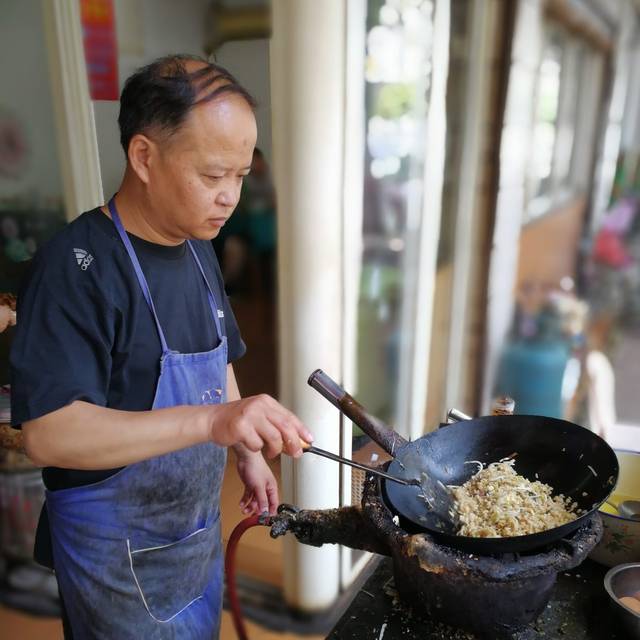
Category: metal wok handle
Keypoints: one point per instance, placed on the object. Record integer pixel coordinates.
(377, 430)
(501, 406)
(455, 415)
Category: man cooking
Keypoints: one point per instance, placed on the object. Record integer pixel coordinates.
(122, 377)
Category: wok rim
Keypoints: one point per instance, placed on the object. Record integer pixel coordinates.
(512, 544)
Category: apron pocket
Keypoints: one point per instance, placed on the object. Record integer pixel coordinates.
(171, 577)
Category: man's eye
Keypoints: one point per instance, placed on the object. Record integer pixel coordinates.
(214, 177)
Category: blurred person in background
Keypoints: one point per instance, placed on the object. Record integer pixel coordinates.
(246, 247)
(259, 201)
(122, 376)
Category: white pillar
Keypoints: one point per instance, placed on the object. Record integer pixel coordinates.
(75, 124)
(515, 147)
(307, 103)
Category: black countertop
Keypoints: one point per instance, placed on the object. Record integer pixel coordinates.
(578, 610)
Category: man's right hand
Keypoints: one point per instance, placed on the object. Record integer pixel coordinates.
(259, 423)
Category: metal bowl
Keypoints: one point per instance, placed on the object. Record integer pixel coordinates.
(624, 580)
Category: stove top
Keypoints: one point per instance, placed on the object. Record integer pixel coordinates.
(578, 610)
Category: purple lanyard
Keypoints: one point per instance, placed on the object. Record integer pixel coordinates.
(143, 281)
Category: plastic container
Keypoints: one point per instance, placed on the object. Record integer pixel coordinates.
(531, 372)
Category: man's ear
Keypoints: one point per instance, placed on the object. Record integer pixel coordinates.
(141, 154)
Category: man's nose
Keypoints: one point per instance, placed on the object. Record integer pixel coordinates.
(227, 198)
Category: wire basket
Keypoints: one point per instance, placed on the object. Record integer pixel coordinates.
(357, 485)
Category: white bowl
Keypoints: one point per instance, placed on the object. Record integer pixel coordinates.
(620, 542)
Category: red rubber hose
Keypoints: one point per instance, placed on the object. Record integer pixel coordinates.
(230, 570)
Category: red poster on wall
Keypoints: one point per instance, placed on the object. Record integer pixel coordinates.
(100, 48)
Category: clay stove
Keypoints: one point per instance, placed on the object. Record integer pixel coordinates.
(491, 596)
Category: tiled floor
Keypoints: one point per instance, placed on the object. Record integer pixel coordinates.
(16, 626)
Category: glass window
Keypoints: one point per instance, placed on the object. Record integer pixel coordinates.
(552, 174)
(397, 85)
(545, 127)
(31, 192)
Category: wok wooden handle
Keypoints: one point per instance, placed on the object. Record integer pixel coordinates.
(377, 430)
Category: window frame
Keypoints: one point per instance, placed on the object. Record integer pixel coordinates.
(578, 56)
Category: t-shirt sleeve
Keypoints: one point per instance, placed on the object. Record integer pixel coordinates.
(62, 346)
(237, 347)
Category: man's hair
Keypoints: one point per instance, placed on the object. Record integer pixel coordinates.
(159, 96)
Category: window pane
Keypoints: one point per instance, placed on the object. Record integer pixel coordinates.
(546, 119)
(31, 193)
(397, 83)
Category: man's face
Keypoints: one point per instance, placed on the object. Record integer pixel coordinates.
(196, 175)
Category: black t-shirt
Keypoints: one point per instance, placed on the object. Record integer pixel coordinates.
(86, 333)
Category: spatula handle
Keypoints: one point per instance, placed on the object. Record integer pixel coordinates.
(307, 448)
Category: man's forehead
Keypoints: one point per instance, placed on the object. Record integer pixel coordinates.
(207, 137)
(194, 65)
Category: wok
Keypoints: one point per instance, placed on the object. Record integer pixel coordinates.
(568, 457)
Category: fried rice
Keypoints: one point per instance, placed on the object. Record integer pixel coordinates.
(497, 503)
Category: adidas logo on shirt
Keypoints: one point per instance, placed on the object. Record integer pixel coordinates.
(84, 258)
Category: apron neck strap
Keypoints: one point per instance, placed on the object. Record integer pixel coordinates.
(137, 268)
(210, 296)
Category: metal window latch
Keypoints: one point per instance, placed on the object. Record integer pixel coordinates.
(455, 415)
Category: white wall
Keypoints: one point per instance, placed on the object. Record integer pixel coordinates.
(148, 29)
(248, 60)
(26, 96)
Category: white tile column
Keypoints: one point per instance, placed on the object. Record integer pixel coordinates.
(307, 101)
(77, 142)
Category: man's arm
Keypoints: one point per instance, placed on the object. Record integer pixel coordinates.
(233, 393)
(85, 436)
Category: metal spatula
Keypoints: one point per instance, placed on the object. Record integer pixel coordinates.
(307, 448)
(416, 471)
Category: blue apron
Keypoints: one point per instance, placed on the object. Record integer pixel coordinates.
(139, 554)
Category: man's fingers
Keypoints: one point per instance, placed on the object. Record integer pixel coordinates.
(252, 440)
(251, 506)
(289, 436)
(292, 430)
(284, 416)
(265, 424)
(272, 438)
(294, 423)
(246, 500)
(262, 500)
(273, 497)
(246, 497)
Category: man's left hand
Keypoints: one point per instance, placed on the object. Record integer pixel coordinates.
(261, 487)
